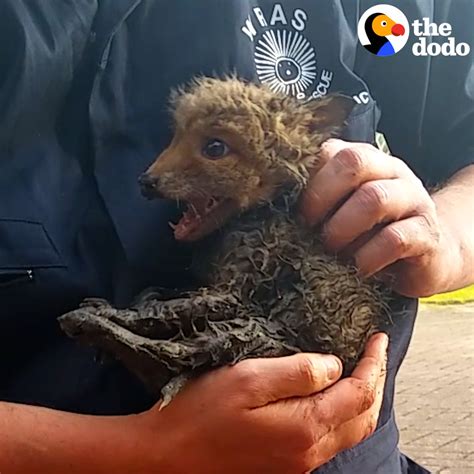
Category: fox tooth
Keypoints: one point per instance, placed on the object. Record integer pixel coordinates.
(172, 225)
(193, 210)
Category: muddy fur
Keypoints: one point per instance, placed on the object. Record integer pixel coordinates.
(267, 286)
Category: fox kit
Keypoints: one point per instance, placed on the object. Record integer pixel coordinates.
(240, 156)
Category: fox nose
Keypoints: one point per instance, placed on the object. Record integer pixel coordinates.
(149, 186)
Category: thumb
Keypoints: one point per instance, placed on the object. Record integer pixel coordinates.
(298, 375)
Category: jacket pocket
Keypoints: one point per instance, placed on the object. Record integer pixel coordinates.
(13, 277)
(25, 247)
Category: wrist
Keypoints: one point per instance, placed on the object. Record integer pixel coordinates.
(448, 261)
(170, 433)
(142, 440)
(156, 440)
(449, 255)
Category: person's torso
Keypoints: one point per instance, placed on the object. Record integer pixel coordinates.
(72, 221)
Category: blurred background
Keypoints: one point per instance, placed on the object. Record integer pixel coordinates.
(435, 392)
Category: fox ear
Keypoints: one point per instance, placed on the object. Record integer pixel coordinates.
(329, 114)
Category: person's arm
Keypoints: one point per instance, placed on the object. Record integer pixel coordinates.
(275, 415)
(373, 207)
(455, 206)
(38, 440)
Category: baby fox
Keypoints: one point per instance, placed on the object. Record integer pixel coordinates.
(236, 146)
(240, 157)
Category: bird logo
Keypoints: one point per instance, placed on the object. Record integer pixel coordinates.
(383, 30)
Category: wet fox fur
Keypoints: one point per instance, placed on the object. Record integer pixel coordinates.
(240, 157)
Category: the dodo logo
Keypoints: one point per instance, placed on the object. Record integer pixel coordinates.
(383, 30)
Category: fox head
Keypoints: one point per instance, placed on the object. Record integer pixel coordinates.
(235, 146)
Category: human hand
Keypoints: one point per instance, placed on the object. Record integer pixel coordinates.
(375, 209)
(281, 415)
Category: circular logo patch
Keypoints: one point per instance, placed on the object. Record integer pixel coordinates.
(285, 61)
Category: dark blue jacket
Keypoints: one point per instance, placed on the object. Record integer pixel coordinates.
(83, 88)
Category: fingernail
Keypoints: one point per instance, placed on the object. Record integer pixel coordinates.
(331, 141)
(325, 150)
(333, 367)
(385, 342)
(330, 144)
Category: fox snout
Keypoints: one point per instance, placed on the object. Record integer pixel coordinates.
(150, 186)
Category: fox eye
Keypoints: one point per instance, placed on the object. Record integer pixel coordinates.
(215, 149)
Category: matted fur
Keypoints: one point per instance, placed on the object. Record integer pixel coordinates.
(277, 128)
(267, 286)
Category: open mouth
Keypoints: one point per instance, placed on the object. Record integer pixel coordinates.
(201, 217)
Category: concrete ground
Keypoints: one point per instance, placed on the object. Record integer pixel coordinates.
(435, 391)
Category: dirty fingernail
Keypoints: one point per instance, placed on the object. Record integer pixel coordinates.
(334, 367)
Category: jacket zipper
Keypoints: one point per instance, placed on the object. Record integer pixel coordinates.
(14, 277)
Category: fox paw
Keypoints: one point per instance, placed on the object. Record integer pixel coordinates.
(172, 388)
(98, 303)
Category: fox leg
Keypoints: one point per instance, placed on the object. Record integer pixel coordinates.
(226, 343)
(160, 319)
(153, 361)
(154, 340)
(156, 293)
(207, 343)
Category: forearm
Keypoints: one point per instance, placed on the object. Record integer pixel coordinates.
(455, 206)
(39, 440)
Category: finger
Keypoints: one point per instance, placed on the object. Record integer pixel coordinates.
(323, 413)
(352, 396)
(413, 283)
(354, 406)
(373, 203)
(349, 165)
(373, 359)
(357, 430)
(411, 237)
(264, 381)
